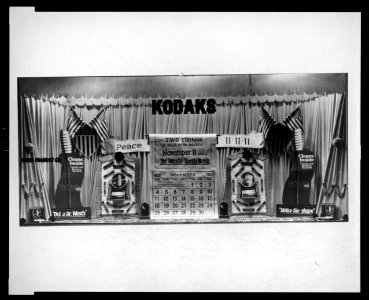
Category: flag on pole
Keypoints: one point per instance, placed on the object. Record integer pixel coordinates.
(86, 144)
(266, 122)
(294, 120)
(99, 124)
(74, 123)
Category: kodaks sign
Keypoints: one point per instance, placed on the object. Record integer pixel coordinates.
(179, 106)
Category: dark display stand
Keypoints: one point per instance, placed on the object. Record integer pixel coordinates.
(298, 186)
(69, 187)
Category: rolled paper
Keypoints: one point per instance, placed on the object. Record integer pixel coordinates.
(110, 204)
(262, 185)
(109, 174)
(235, 204)
(129, 165)
(236, 164)
(241, 202)
(239, 172)
(129, 208)
(106, 208)
(258, 164)
(126, 173)
(108, 165)
(125, 204)
(256, 172)
(261, 205)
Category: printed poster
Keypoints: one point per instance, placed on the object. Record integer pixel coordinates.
(183, 176)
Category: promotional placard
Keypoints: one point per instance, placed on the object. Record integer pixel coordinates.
(247, 183)
(71, 213)
(182, 151)
(120, 185)
(284, 210)
(183, 176)
(68, 191)
(129, 146)
(252, 140)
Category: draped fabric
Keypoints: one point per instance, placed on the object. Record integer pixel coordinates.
(40, 123)
(128, 119)
(185, 86)
(334, 186)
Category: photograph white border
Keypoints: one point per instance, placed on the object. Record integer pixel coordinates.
(266, 257)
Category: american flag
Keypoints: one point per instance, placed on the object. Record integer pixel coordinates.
(266, 122)
(74, 123)
(86, 144)
(99, 124)
(294, 120)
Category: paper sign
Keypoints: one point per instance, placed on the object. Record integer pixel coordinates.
(183, 176)
(71, 213)
(182, 151)
(284, 210)
(252, 140)
(129, 146)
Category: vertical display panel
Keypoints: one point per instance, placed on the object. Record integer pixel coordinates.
(183, 176)
(119, 186)
(247, 184)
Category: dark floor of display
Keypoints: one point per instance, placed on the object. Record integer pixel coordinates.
(232, 219)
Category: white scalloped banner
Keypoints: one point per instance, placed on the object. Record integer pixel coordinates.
(104, 101)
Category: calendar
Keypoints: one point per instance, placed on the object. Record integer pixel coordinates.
(183, 176)
(183, 194)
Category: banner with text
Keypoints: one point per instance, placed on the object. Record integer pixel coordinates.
(252, 140)
(183, 151)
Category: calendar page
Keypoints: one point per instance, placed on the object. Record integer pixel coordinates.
(183, 194)
(183, 176)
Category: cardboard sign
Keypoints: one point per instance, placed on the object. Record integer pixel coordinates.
(69, 187)
(129, 146)
(71, 213)
(252, 140)
(119, 186)
(284, 210)
(183, 176)
(246, 184)
(183, 151)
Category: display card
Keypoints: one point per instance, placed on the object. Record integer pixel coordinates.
(183, 176)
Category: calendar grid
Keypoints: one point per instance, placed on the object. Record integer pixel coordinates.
(183, 194)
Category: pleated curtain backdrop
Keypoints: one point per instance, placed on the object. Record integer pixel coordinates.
(134, 120)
